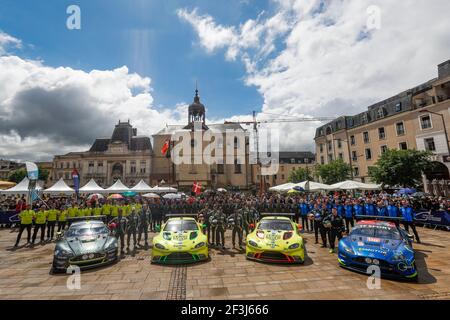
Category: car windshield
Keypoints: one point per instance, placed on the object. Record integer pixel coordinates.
(377, 232)
(86, 231)
(181, 225)
(276, 225)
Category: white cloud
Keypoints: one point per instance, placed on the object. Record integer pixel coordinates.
(320, 68)
(46, 111)
(7, 41)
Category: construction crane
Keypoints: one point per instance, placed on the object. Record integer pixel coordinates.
(255, 124)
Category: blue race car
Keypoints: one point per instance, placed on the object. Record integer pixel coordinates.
(379, 243)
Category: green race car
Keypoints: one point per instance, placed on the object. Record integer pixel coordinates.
(180, 240)
(276, 239)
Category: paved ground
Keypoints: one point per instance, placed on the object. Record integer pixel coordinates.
(24, 274)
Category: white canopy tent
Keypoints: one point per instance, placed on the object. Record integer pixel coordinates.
(312, 186)
(117, 187)
(141, 187)
(163, 189)
(60, 187)
(355, 185)
(91, 187)
(283, 187)
(172, 196)
(21, 188)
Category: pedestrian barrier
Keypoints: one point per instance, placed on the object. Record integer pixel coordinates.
(8, 217)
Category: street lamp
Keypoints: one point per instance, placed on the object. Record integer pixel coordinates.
(443, 122)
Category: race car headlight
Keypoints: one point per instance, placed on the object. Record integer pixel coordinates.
(160, 246)
(193, 235)
(253, 243)
(287, 235)
(398, 256)
(260, 234)
(347, 249)
(61, 252)
(166, 236)
(199, 245)
(294, 246)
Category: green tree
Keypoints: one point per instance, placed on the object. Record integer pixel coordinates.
(300, 174)
(401, 167)
(333, 172)
(18, 175)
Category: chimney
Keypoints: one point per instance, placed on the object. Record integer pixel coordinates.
(444, 69)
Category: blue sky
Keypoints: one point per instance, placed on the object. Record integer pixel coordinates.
(139, 60)
(146, 36)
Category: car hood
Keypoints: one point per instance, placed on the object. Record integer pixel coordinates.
(180, 240)
(86, 244)
(373, 247)
(273, 239)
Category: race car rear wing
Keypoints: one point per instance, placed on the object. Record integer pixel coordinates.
(379, 218)
(87, 218)
(289, 215)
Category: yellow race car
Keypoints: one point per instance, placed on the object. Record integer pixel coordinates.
(276, 239)
(180, 240)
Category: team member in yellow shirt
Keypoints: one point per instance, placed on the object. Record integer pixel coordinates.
(97, 210)
(62, 218)
(114, 211)
(40, 219)
(106, 211)
(26, 220)
(52, 216)
(72, 212)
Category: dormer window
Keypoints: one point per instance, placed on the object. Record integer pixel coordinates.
(380, 113)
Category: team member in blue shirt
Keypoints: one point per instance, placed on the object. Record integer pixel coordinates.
(369, 208)
(408, 218)
(393, 212)
(381, 209)
(304, 210)
(358, 209)
(348, 215)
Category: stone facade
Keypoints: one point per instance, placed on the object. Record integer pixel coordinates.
(124, 156)
(418, 118)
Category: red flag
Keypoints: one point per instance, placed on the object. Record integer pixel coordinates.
(196, 188)
(165, 147)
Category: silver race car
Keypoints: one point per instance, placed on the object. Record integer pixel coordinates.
(86, 244)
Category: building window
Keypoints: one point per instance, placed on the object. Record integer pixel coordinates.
(381, 133)
(236, 142)
(293, 161)
(425, 122)
(384, 149)
(364, 117)
(91, 167)
(282, 177)
(356, 171)
(366, 137)
(429, 144)
(400, 127)
(354, 156)
(330, 145)
(398, 107)
(133, 166)
(341, 156)
(237, 167)
(100, 167)
(380, 113)
(275, 177)
(321, 147)
(306, 160)
(368, 154)
(330, 158)
(322, 160)
(403, 146)
(339, 142)
(61, 165)
(352, 140)
(143, 166)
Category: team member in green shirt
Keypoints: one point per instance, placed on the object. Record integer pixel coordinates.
(62, 218)
(52, 216)
(40, 219)
(26, 220)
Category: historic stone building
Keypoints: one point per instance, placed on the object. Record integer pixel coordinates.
(235, 175)
(418, 118)
(124, 155)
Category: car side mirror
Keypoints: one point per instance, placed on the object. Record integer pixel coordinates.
(410, 237)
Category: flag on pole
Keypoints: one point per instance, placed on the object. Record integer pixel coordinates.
(32, 170)
(76, 180)
(165, 147)
(197, 188)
